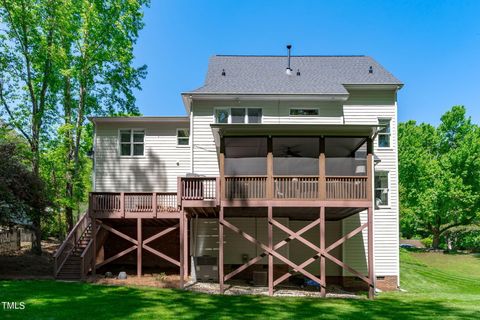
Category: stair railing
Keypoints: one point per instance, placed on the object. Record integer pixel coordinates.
(62, 253)
(87, 255)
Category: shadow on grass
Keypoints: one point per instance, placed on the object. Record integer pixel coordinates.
(61, 300)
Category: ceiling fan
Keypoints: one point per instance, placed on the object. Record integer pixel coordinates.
(290, 152)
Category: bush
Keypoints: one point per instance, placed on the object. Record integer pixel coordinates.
(427, 242)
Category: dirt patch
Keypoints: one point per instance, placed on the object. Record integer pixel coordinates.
(149, 280)
(23, 264)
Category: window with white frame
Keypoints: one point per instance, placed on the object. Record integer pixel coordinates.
(384, 133)
(238, 115)
(381, 188)
(132, 142)
(304, 112)
(183, 137)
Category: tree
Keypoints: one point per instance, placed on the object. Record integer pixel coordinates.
(21, 191)
(28, 53)
(439, 170)
(98, 78)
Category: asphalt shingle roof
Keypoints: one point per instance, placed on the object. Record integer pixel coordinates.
(266, 74)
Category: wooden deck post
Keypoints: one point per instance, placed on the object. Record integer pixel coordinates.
(185, 245)
(182, 257)
(139, 247)
(221, 163)
(369, 169)
(220, 251)
(122, 204)
(323, 284)
(371, 267)
(270, 245)
(370, 198)
(270, 191)
(154, 205)
(322, 182)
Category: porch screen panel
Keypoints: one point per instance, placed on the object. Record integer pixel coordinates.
(295, 156)
(245, 156)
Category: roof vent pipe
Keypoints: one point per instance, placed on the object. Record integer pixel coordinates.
(288, 71)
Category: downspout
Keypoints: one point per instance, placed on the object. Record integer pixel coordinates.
(94, 157)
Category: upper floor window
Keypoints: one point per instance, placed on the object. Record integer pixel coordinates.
(384, 133)
(183, 136)
(381, 188)
(238, 115)
(132, 142)
(304, 112)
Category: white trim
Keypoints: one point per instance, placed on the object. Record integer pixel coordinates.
(189, 138)
(397, 195)
(94, 177)
(303, 115)
(119, 143)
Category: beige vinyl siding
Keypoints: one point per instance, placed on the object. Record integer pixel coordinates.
(157, 170)
(365, 107)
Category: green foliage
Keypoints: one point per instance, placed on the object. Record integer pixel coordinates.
(61, 61)
(439, 172)
(427, 242)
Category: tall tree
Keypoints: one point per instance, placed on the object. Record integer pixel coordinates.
(439, 170)
(98, 77)
(28, 51)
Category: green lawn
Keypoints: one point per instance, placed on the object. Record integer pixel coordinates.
(436, 289)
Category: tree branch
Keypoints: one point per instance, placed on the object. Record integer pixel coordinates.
(10, 113)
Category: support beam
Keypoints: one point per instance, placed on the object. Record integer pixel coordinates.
(322, 181)
(161, 234)
(118, 255)
(269, 168)
(270, 246)
(182, 275)
(323, 270)
(162, 255)
(371, 271)
(220, 251)
(120, 234)
(185, 246)
(221, 165)
(139, 247)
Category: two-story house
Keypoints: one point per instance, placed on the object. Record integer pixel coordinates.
(284, 168)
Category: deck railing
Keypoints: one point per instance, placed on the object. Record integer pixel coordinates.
(346, 188)
(120, 203)
(199, 188)
(288, 187)
(245, 187)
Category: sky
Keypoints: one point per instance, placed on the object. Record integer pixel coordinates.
(433, 47)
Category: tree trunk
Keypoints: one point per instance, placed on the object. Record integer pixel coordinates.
(436, 240)
(37, 242)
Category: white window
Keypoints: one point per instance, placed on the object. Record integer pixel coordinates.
(238, 115)
(384, 133)
(132, 142)
(222, 115)
(304, 112)
(183, 137)
(381, 188)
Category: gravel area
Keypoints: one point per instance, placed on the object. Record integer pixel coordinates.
(239, 288)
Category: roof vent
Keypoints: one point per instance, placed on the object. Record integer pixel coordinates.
(288, 71)
(223, 72)
(370, 70)
(298, 72)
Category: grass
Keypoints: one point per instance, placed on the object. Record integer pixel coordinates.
(435, 289)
